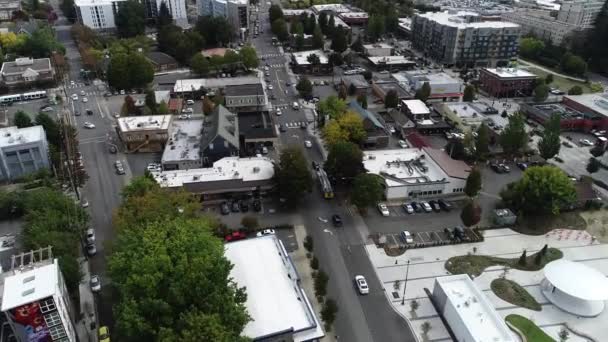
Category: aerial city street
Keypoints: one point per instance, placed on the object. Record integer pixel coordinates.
(361, 171)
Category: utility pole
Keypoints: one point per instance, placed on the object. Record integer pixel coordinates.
(407, 271)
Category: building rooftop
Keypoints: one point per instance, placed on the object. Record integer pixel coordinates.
(11, 136)
(335, 8)
(244, 90)
(80, 3)
(387, 86)
(510, 72)
(256, 125)
(365, 114)
(377, 46)
(458, 19)
(597, 102)
(295, 12)
(30, 284)
(221, 122)
(184, 140)
(275, 300)
(214, 52)
(354, 15)
(162, 95)
(588, 284)
(212, 83)
(474, 309)
(225, 169)
(390, 60)
(301, 57)
(356, 80)
(160, 58)
(20, 65)
(416, 107)
(142, 123)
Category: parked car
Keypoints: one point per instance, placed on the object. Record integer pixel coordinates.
(567, 144)
(74, 97)
(407, 236)
(449, 233)
(402, 144)
(90, 235)
(91, 249)
(459, 233)
(265, 232)
(235, 207)
(89, 112)
(361, 284)
(383, 209)
(417, 207)
(505, 168)
(89, 125)
(308, 143)
(234, 236)
(336, 220)
(85, 100)
(95, 283)
(224, 208)
(585, 142)
(447, 206)
(408, 208)
(435, 206)
(282, 128)
(426, 206)
(522, 166)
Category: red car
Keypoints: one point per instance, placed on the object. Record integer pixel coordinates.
(234, 236)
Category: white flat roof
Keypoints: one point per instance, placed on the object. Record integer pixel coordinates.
(393, 163)
(229, 168)
(474, 309)
(510, 72)
(439, 77)
(184, 140)
(577, 279)
(336, 8)
(301, 57)
(597, 101)
(141, 123)
(80, 3)
(455, 20)
(212, 83)
(390, 60)
(377, 46)
(11, 136)
(275, 300)
(416, 107)
(30, 285)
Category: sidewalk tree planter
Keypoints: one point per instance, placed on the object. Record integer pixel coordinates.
(530, 330)
(513, 293)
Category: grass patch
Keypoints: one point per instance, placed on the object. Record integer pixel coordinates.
(540, 225)
(513, 293)
(473, 265)
(532, 332)
(563, 84)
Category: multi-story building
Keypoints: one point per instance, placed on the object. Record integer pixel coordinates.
(144, 133)
(97, 14)
(507, 82)
(35, 300)
(443, 86)
(22, 151)
(236, 11)
(580, 13)
(245, 97)
(24, 71)
(177, 8)
(541, 24)
(464, 38)
(7, 7)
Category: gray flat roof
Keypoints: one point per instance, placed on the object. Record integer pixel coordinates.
(244, 89)
(41, 64)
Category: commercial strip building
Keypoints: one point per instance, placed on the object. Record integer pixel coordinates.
(381, 88)
(256, 129)
(468, 116)
(391, 62)
(22, 151)
(467, 310)
(26, 71)
(578, 112)
(507, 82)
(443, 86)
(211, 84)
(377, 50)
(230, 176)
(301, 64)
(161, 61)
(279, 307)
(183, 149)
(235, 11)
(245, 97)
(35, 301)
(417, 173)
(464, 38)
(144, 133)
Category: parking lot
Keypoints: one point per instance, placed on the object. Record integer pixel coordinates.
(430, 238)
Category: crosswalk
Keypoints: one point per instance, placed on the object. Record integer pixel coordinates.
(277, 65)
(75, 85)
(293, 124)
(270, 55)
(280, 106)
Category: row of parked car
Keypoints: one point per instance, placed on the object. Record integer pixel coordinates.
(418, 207)
(240, 206)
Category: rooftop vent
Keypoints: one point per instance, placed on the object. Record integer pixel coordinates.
(28, 292)
(29, 279)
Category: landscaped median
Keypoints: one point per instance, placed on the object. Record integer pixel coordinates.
(473, 265)
(531, 331)
(513, 293)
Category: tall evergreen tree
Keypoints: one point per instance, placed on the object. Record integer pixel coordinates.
(549, 145)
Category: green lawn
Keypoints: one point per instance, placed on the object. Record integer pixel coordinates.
(563, 84)
(532, 332)
(474, 265)
(514, 293)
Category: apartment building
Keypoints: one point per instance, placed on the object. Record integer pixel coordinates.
(465, 38)
(541, 24)
(97, 14)
(177, 8)
(580, 13)
(235, 11)
(22, 151)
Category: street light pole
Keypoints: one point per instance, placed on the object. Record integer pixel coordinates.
(407, 271)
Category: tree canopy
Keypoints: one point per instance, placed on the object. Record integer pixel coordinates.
(391, 100)
(575, 90)
(215, 30)
(541, 92)
(424, 92)
(541, 190)
(367, 190)
(129, 71)
(514, 137)
(347, 127)
(549, 145)
(482, 142)
(249, 57)
(292, 176)
(344, 161)
(596, 47)
(473, 184)
(304, 87)
(332, 106)
(275, 12)
(279, 28)
(339, 41)
(469, 93)
(22, 119)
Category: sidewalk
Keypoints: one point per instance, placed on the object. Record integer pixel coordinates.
(86, 327)
(302, 264)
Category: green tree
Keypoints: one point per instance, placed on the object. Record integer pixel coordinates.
(549, 145)
(317, 38)
(523, 259)
(331, 25)
(329, 312)
(163, 108)
(424, 92)
(514, 137)
(215, 30)
(304, 87)
(473, 184)
(129, 71)
(118, 72)
(375, 26)
(208, 106)
(367, 191)
(41, 43)
(164, 15)
(541, 190)
(573, 64)
(575, 90)
(344, 161)
(471, 213)
(313, 59)
(541, 92)
(482, 142)
(199, 64)
(391, 100)
(549, 79)
(275, 12)
(249, 57)
(593, 166)
(357, 45)
(279, 28)
(292, 176)
(338, 40)
(51, 128)
(131, 19)
(323, 21)
(531, 47)
(150, 100)
(332, 106)
(22, 119)
(469, 93)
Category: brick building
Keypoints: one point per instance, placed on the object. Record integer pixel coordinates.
(507, 82)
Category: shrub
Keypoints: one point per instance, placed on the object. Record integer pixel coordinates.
(314, 263)
(308, 244)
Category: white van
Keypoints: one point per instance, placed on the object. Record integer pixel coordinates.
(296, 106)
(190, 102)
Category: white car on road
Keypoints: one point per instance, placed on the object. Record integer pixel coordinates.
(95, 283)
(265, 232)
(89, 125)
(308, 143)
(279, 113)
(85, 100)
(383, 209)
(270, 87)
(361, 284)
(585, 142)
(74, 97)
(402, 144)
